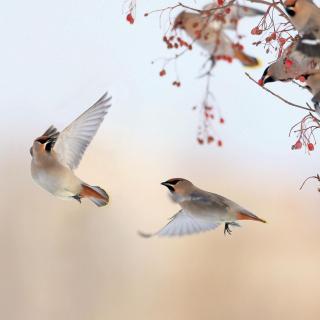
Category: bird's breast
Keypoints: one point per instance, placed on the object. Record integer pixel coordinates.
(56, 179)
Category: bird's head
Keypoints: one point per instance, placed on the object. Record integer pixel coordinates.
(179, 21)
(291, 7)
(267, 76)
(38, 145)
(178, 186)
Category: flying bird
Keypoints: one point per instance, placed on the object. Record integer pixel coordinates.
(200, 211)
(56, 154)
(212, 37)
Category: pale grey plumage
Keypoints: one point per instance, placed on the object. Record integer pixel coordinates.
(201, 211)
(55, 155)
(305, 17)
(74, 139)
(291, 65)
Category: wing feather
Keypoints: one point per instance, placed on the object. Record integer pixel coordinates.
(182, 224)
(74, 139)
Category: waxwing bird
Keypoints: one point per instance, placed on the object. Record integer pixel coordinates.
(200, 211)
(220, 19)
(211, 38)
(304, 15)
(55, 155)
(291, 65)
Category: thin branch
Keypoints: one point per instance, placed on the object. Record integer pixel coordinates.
(308, 108)
(317, 177)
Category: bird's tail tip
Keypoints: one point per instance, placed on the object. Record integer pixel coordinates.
(249, 216)
(256, 63)
(96, 194)
(247, 60)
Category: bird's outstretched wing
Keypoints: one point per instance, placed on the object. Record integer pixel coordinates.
(236, 13)
(182, 224)
(74, 139)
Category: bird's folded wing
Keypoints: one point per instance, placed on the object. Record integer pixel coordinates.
(74, 139)
(309, 45)
(182, 224)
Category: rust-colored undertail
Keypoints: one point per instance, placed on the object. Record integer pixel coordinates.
(96, 194)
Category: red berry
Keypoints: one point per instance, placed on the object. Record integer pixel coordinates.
(297, 145)
(210, 139)
(310, 146)
(282, 41)
(130, 18)
(260, 82)
(200, 141)
(220, 2)
(162, 73)
(227, 10)
(288, 63)
(219, 143)
(221, 120)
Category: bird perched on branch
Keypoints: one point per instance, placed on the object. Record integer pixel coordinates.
(210, 35)
(200, 211)
(55, 155)
(291, 65)
(305, 17)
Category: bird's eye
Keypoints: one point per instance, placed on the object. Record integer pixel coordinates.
(170, 188)
(269, 79)
(42, 140)
(174, 181)
(290, 11)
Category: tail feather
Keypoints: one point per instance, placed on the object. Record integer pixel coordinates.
(246, 215)
(96, 194)
(245, 59)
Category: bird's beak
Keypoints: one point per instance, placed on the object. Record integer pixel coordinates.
(168, 185)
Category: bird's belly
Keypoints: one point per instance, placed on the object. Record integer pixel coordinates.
(211, 216)
(60, 185)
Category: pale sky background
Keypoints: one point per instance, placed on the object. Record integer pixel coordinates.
(60, 260)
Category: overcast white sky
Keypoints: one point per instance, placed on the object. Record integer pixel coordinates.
(58, 57)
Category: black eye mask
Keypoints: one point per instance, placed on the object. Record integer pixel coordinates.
(290, 11)
(174, 181)
(170, 188)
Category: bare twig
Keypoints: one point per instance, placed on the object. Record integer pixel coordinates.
(308, 108)
(317, 177)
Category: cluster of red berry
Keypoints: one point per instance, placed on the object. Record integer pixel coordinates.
(176, 42)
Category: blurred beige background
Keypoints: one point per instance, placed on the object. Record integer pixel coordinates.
(61, 260)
